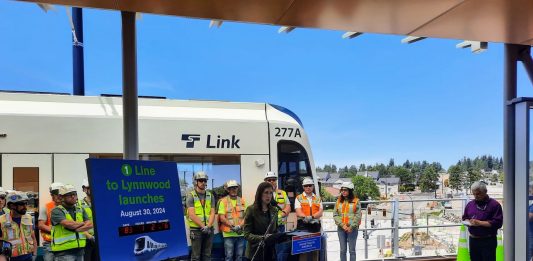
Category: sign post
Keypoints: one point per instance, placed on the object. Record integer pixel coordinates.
(138, 214)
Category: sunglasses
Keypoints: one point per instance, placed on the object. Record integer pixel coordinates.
(201, 180)
(70, 195)
(306, 186)
(19, 204)
(2, 197)
(233, 187)
(271, 180)
(344, 190)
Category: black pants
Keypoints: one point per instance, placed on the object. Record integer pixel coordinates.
(483, 249)
(91, 254)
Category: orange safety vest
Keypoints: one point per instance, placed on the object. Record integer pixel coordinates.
(347, 210)
(49, 206)
(234, 215)
(309, 210)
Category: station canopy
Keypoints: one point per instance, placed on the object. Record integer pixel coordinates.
(505, 21)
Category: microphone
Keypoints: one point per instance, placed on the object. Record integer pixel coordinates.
(275, 204)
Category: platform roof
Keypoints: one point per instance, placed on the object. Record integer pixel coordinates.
(506, 21)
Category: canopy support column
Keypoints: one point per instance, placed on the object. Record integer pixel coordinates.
(129, 87)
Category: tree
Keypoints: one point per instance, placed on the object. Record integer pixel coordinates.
(494, 178)
(406, 177)
(362, 167)
(325, 196)
(456, 177)
(473, 175)
(428, 179)
(391, 163)
(365, 188)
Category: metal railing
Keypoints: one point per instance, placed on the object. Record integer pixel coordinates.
(395, 227)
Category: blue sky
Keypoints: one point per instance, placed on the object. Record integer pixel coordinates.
(364, 100)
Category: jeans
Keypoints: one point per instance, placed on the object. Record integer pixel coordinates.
(201, 245)
(347, 238)
(282, 248)
(234, 248)
(48, 254)
(69, 258)
(483, 249)
(22, 258)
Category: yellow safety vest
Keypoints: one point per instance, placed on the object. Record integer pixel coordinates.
(65, 239)
(83, 205)
(280, 199)
(202, 212)
(18, 235)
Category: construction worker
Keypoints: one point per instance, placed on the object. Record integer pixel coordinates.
(308, 207)
(90, 246)
(200, 205)
(231, 214)
(17, 228)
(3, 206)
(69, 221)
(45, 222)
(347, 216)
(281, 198)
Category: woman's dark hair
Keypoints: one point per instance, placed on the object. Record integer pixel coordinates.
(350, 196)
(259, 193)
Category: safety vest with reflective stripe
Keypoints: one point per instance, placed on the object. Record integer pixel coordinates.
(49, 206)
(65, 239)
(85, 206)
(306, 208)
(234, 215)
(18, 235)
(281, 195)
(201, 211)
(347, 211)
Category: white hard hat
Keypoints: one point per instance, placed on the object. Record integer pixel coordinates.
(55, 186)
(67, 188)
(2, 192)
(231, 183)
(85, 183)
(308, 181)
(200, 175)
(271, 174)
(16, 196)
(347, 184)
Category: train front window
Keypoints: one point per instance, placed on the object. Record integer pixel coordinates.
(293, 167)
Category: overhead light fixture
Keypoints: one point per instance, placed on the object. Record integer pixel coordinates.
(412, 39)
(475, 47)
(285, 29)
(350, 35)
(215, 23)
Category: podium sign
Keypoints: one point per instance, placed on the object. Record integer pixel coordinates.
(306, 242)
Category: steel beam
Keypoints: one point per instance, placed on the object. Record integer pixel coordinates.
(527, 61)
(129, 87)
(78, 73)
(509, 93)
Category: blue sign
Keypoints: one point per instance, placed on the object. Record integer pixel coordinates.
(137, 207)
(306, 243)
